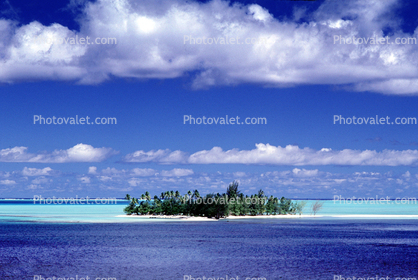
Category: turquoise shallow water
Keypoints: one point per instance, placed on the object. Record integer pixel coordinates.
(382, 208)
(26, 210)
(90, 240)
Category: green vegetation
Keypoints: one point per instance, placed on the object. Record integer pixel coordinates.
(233, 202)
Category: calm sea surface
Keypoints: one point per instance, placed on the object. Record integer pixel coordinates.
(80, 241)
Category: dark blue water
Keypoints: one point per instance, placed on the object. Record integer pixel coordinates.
(294, 249)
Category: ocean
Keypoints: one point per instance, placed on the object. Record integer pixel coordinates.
(21, 210)
(79, 241)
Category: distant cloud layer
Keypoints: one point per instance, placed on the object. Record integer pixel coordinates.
(150, 44)
(292, 182)
(290, 155)
(78, 153)
(263, 154)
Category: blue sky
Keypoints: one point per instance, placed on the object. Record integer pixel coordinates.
(150, 79)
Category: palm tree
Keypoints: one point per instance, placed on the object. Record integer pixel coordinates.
(187, 196)
(147, 196)
(196, 194)
(128, 197)
(232, 190)
(134, 200)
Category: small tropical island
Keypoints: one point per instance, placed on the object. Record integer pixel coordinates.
(215, 206)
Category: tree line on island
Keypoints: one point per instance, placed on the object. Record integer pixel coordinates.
(233, 202)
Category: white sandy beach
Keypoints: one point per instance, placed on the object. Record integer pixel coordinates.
(158, 217)
(186, 218)
(359, 216)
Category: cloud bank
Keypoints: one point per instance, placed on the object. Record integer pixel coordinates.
(263, 154)
(78, 153)
(292, 182)
(266, 154)
(150, 44)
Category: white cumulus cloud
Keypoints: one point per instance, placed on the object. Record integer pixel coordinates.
(78, 153)
(266, 154)
(143, 172)
(85, 180)
(177, 172)
(92, 170)
(153, 41)
(7, 182)
(161, 156)
(37, 171)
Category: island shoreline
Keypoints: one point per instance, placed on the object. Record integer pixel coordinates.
(190, 218)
